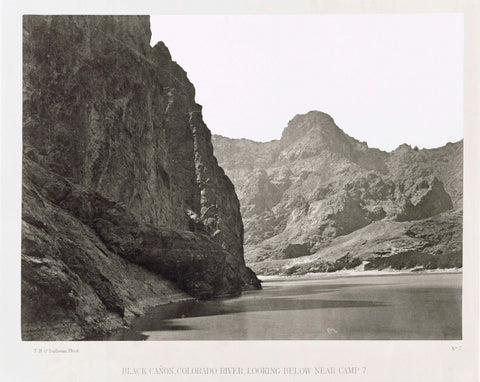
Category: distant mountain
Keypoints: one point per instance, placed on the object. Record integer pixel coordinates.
(302, 195)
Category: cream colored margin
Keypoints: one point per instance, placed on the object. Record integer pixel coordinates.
(384, 360)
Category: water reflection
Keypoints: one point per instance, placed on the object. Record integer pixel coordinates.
(374, 308)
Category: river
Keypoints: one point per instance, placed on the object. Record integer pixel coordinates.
(381, 307)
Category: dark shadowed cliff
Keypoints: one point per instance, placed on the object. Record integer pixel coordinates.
(302, 195)
(124, 204)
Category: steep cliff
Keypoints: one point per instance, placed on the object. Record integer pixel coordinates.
(316, 184)
(124, 204)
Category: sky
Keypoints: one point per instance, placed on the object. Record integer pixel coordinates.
(385, 79)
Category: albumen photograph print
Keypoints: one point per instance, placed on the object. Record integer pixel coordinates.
(242, 177)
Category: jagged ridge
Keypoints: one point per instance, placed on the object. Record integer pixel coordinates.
(317, 183)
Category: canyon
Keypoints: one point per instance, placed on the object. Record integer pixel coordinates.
(124, 206)
(129, 202)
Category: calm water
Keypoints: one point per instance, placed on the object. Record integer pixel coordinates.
(407, 307)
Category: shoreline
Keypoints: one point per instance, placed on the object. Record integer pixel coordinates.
(350, 273)
(273, 278)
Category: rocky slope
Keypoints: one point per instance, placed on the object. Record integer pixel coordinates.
(301, 194)
(124, 204)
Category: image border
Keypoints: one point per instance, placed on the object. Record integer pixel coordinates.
(104, 361)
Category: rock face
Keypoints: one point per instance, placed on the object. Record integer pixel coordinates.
(426, 244)
(299, 194)
(124, 204)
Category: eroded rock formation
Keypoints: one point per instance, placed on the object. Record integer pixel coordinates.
(300, 194)
(124, 204)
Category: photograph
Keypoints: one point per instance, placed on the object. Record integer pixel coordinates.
(208, 193)
(134, 214)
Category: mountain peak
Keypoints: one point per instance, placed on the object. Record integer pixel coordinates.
(403, 147)
(312, 114)
(309, 124)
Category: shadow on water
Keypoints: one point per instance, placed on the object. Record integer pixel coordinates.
(159, 318)
(418, 308)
